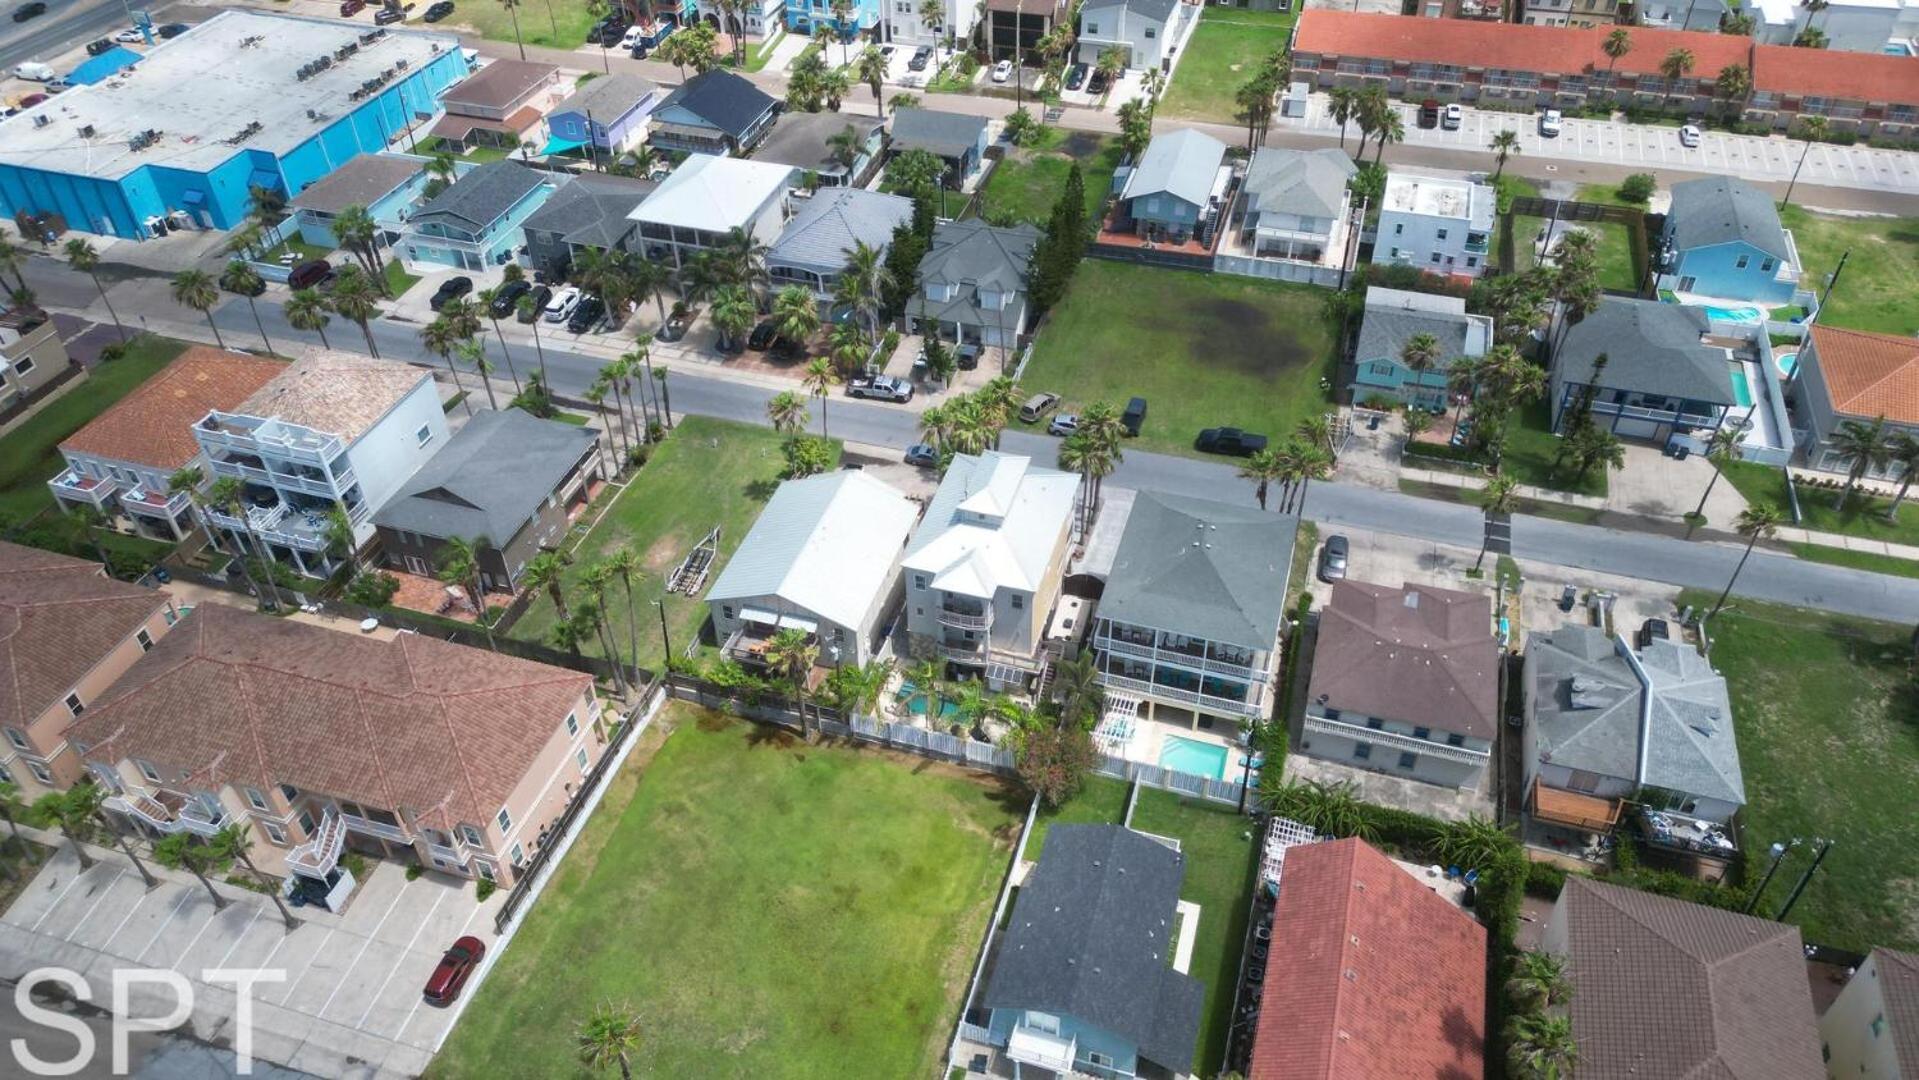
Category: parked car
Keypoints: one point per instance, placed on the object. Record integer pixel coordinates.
(450, 289)
(507, 298)
(1076, 77)
(1549, 123)
(1096, 83)
(34, 71)
(586, 315)
(130, 36)
(966, 356)
(1063, 425)
(350, 8)
(1229, 440)
(608, 31)
(1452, 117)
(172, 30)
(1429, 113)
(438, 11)
(59, 85)
(763, 335)
(1332, 558)
(1689, 135)
(560, 307)
(1134, 416)
(387, 16)
(541, 296)
(922, 454)
(880, 388)
(260, 287)
(29, 11)
(1002, 71)
(1037, 406)
(31, 100)
(310, 274)
(632, 37)
(95, 48)
(455, 967)
(921, 57)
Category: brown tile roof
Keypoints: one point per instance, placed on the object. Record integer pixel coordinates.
(1418, 654)
(1868, 374)
(440, 730)
(334, 392)
(360, 182)
(1666, 988)
(1372, 974)
(456, 127)
(58, 618)
(1899, 990)
(153, 425)
(499, 84)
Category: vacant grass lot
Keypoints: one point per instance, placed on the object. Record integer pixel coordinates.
(1220, 56)
(1882, 271)
(561, 24)
(1531, 448)
(1613, 249)
(707, 473)
(767, 908)
(1864, 516)
(1827, 718)
(1205, 350)
(1025, 186)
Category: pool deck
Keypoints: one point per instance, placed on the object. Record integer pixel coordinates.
(1149, 741)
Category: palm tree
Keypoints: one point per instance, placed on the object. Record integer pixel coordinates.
(928, 677)
(1391, 129)
(1677, 65)
(12, 808)
(1317, 430)
(240, 277)
(796, 314)
(663, 396)
(459, 564)
(227, 493)
(1865, 446)
(82, 257)
(1504, 145)
(1812, 129)
(790, 655)
(13, 259)
(872, 71)
(1419, 354)
(1255, 101)
(84, 800)
(74, 818)
(787, 411)
(355, 228)
(626, 564)
(194, 289)
(531, 315)
(1111, 63)
(1732, 86)
(1756, 523)
(595, 580)
(733, 312)
(1093, 460)
(1342, 104)
(1262, 469)
(351, 297)
(820, 379)
(441, 337)
(306, 309)
(609, 1037)
(1617, 44)
(547, 570)
(182, 849)
(1905, 454)
(474, 352)
(1538, 980)
(513, 11)
(235, 841)
(1541, 1046)
(1721, 445)
(483, 301)
(866, 280)
(1498, 500)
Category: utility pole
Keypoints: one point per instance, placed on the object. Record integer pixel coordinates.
(1818, 857)
(1778, 852)
(1833, 278)
(665, 639)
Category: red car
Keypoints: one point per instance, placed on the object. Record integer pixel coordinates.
(443, 987)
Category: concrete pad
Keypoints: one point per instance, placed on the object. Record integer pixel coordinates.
(295, 957)
(406, 1061)
(220, 935)
(356, 992)
(58, 909)
(386, 1013)
(413, 908)
(340, 1051)
(325, 970)
(171, 941)
(101, 916)
(374, 899)
(259, 944)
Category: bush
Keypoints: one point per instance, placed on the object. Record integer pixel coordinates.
(1545, 879)
(1638, 187)
(373, 590)
(806, 455)
(484, 888)
(413, 872)
(114, 351)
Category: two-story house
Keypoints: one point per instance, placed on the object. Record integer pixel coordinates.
(70, 631)
(33, 359)
(1405, 681)
(588, 212)
(1014, 27)
(1395, 317)
(714, 112)
(1854, 376)
(320, 741)
(475, 223)
(121, 463)
(705, 199)
(607, 115)
(815, 246)
(983, 569)
(386, 186)
(1177, 190)
(753, 19)
(958, 139)
(913, 22)
(331, 431)
(843, 23)
(973, 283)
(1440, 224)
(1146, 31)
(829, 148)
(499, 105)
(1872, 1029)
(1723, 240)
(1294, 204)
(1659, 377)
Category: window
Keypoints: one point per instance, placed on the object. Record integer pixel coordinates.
(289, 793)
(1362, 751)
(1435, 256)
(1742, 262)
(256, 799)
(1150, 33)
(485, 869)
(470, 836)
(1408, 759)
(275, 834)
(424, 435)
(39, 772)
(505, 820)
(1766, 265)
(1375, 723)
(572, 724)
(5, 776)
(1422, 733)
(307, 824)
(919, 581)
(148, 771)
(24, 367)
(1472, 260)
(18, 740)
(1092, 28)
(726, 611)
(1018, 601)
(1453, 738)
(1399, 228)
(145, 639)
(75, 705)
(580, 756)
(1094, 1057)
(518, 855)
(1442, 234)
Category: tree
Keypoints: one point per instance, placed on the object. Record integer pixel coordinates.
(1342, 104)
(733, 312)
(306, 309)
(1057, 255)
(459, 565)
(1540, 1046)
(184, 850)
(1419, 354)
(1811, 38)
(1498, 500)
(547, 571)
(791, 655)
(856, 691)
(440, 337)
(872, 71)
(1255, 101)
(1054, 761)
(474, 352)
(234, 841)
(1135, 128)
(1021, 128)
(1418, 422)
(530, 315)
(1865, 447)
(913, 169)
(806, 455)
(194, 289)
(82, 256)
(1504, 145)
(1812, 129)
(609, 1037)
(865, 280)
(513, 11)
(796, 314)
(1905, 454)
(1617, 44)
(239, 277)
(928, 676)
(819, 380)
(1732, 86)
(1756, 523)
(665, 396)
(226, 494)
(13, 260)
(1262, 468)
(83, 802)
(1538, 981)
(1738, 24)
(359, 234)
(1721, 445)
(351, 297)
(12, 808)
(1676, 65)
(483, 301)
(787, 411)
(1111, 63)
(1334, 809)
(626, 564)
(1391, 130)
(1593, 445)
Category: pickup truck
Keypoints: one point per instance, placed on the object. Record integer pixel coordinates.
(1228, 440)
(881, 387)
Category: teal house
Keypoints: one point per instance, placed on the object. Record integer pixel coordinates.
(475, 223)
(1723, 240)
(1394, 317)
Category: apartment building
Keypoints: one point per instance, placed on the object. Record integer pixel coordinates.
(1580, 13)
(1440, 224)
(31, 356)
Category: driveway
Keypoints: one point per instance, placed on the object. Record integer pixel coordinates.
(347, 1002)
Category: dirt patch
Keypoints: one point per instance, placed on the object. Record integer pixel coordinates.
(1245, 335)
(665, 552)
(1081, 145)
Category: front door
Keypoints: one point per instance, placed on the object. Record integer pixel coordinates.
(417, 565)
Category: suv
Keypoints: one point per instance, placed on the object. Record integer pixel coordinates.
(1076, 78)
(506, 299)
(880, 387)
(921, 57)
(1230, 440)
(561, 306)
(1063, 424)
(587, 315)
(763, 335)
(1429, 113)
(1549, 123)
(438, 11)
(1037, 406)
(451, 289)
(309, 274)
(1454, 116)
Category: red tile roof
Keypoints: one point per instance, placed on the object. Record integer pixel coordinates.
(1868, 375)
(1372, 974)
(59, 617)
(1829, 73)
(153, 425)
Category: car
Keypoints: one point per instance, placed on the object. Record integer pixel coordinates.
(31, 100)
(451, 289)
(1096, 83)
(59, 85)
(534, 303)
(1037, 406)
(1689, 135)
(1076, 78)
(130, 36)
(880, 387)
(172, 30)
(1453, 116)
(560, 307)
(1134, 416)
(1332, 559)
(455, 967)
(763, 335)
(388, 16)
(32, 71)
(888, 50)
(1002, 71)
(310, 274)
(609, 31)
(922, 454)
(350, 8)
(1064, 424)
(632, 37)
(1549, 123)
(966, 356)
(438, 11)
(95, 48)
(29, 11)
(586, 315)
(1229, 440)
(1429, 113)
(506, 299)
(921, 57)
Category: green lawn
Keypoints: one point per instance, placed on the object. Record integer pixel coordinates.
(1220, 57)
(1025, 186)
(707, 473)
(1613, 249)
(1103, 799)
(1829, 745)
(1882, 271)
(294, 244)
(765, 908)
(1859, 560)
(559, 23)
(398, 281)
(1531, 447)
(1865, 515)
(1205, 350)
(1606, 195)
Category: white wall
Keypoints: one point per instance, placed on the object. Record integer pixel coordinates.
(1416, 239)
(390, 451)
(1852, 1048)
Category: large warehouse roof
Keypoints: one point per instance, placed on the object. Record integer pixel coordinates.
(203, 89)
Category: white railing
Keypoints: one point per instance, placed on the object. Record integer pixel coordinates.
(1639, 412)
(76, 485)
(140, 804)
(965, 620)
(317, 857)
(1251, 707)
(199, 823)
(375, 828)
(1246, 672)
(159, 502)
(258, 518)
(1381, 737)
(1031, 1046)
(976, 1034)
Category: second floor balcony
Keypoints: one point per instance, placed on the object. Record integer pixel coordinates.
(74, 486)
(1252, 705)
(154, 502)
(169, 812)
(317, 857)
(257, 436)
(964, 616)
(1360, 732)
(308, 479)
(394, 831)
(1202, 656)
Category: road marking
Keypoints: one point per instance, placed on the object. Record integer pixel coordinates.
(417, 931)
(55, 906)
(198, 936)
(91, 908)
(168, 921)
(242, 935)
(124, 919)
(355, 962)
(295, 984)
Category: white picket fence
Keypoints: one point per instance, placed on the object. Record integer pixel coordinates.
(1156, 776)
(1277, 270)
(932, 743)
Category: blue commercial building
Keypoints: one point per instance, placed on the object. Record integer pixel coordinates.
(243, 100)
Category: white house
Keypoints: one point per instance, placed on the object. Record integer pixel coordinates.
(706, 198)
(911, 27)
(1440, 224)
(1849, 25)
(754, 18)
(1872, 1029)
(823, 558)
(1294, 205)
(1148, 30)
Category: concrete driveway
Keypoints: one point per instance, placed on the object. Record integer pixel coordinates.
(347, 1003)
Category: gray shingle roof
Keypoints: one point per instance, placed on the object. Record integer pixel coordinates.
(591, 210)
(1090, 936)
(1202, 568)
(482, 195)
(489, 479)
(1689, 735)
(608, 97)
(724, 100)
(969, 254)
(943, 133)
(1724, 210)
(1651, 348)
(1393, 317)
(828, 224)
(800, 139)
(1180, 163)
(1418, 654)
(1307, 182)
(360, 182)
(1156, 10)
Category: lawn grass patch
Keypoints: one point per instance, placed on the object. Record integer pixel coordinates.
(561, 24)
(296, 246)
(1882, 269)
(1305, 545)
(398, 281)
(1025, 186)
(1531, 448)
(1864, 516)
(1102, 801)
(1858, 560)
(766, 907)
(1225, 49)
(1205, 350)
(1613, 250)
(1605, 195)
(1827, 719)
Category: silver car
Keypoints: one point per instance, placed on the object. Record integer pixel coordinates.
(1332, 559)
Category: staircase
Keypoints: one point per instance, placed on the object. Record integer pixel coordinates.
(317, 857)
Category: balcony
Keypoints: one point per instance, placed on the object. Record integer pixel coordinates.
(1251, 707)
(978, 654)
(366, 827)
(76, 487)
(1192, 658)
(168, 812)
(964, 620)
(154, 503)
(253, 435)
(326, 488)
(317, 857)
(258, 518)
(1663, 416)
(1560, 807)
(1381, 737)
(1046, 1049)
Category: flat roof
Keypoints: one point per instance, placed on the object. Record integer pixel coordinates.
(202, 89)
(1438, 196)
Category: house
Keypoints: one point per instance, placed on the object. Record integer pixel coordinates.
(714, 112)
(1732, 993)
(952, 20)
(806, 142)
(70, 631)
(844, 24)
(955, 138)
(973, 283)
(983, 569)
(814, 248)
(705, 199)
(384, 185)
(1580, 13)
(1177, 190)
(1146, 31)
(823, 558)
(1188, 621)
(508, 483)
(1371, 973)
(122, 461)
(589, 211)
(1864, 26)
(1294, 204)
(1014, 27)
(475, 223)
(33, 359)
(1394, 317)
(499, 105)
(1086, 978)
(1442, 225)
(331, 430)
(607, 114)
(1723, 240)
(1873, 1028)
(319, 741)
(1854, 375)
(1660, 378)
(1687, 14)
(1607, 723)
(753, 20)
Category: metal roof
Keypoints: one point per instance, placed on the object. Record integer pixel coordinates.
(1725, 210)
(943, 133)
(994, 522)
(1311, 183)
(489, 479)
(1181, 163)
(1205, 569)
(714, 193)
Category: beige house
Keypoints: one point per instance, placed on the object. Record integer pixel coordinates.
(67, 631)
(1872, 1029)
(31, 355)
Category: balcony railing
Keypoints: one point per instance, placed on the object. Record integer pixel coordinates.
(1250, 707)
(155, 502)
(980, 654)
(374, 828)
(1380, 737)
(965, 620)
(159, 813)
(251, 434)
(75, 486)
(258, 518)
(317, 857)
(1178, 658)
(1031, 1046)
(311, 485)
(1640, 412)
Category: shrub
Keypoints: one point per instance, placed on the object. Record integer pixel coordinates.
(374, 589)
(484, 888)
(806, 455)
(1638, 187)
(1545, 879)
(413, 872)
(1054, 761)
(113, 351)
(355, 864)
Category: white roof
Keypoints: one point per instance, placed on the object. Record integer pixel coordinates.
(714, 193)
(1450, 197)
(825, 544)
(994, 523)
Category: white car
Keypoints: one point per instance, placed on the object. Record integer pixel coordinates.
(1452, 117)
(130, 36)
(632, 38)
(1689, 136)
(1063, 424)
(1002, 71)
(560, 308)
(33, 71)
(1549, 123)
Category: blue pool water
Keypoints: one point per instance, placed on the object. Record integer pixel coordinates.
(1741, 388)
(1788, 362)
(1738, 314)
(1191, 756)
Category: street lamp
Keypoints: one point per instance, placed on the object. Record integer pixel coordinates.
(1778, 852)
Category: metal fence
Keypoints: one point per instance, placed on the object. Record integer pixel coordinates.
(1277, 270)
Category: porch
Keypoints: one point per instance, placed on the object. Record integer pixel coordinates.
(758, 628)
(164, 812)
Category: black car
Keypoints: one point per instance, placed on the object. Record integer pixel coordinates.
(1229, 440)
(527, 313)
(259, 286)
(506, 299)
(1429, 113)
(95, 48)
(1096, 85)
(762, 336)
(1076, 78)
(438, 11)
(607, 31)
(172, 30)
(387, 16)
(586, 315)
(450, 289)
(921, 57)
(28, 11)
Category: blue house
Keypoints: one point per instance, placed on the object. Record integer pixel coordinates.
(955, 138)
(1087, 977)
(1177, 189)
(475, 223)
(386, 185)
(609, 112)
(1394, 317)
(806, 16)
(1723, 240)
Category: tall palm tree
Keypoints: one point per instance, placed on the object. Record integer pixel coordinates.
(547, 570)
(872, 71)
(1865, 447)
(82, 256)
(1317, 430)
(84, 801)
(1905, 454)
(483, 301)
(1812, 129)
(1262, 468)
(1391, 129)
(1721, 445)
(609, 1037)
(796, 314)
(12, 808)
(928, 676)
(791, 656)
(595, 580)
(194, 289)
(626, 564)
(1342, 104)
(474, 352)
(1676, 65)
(227, 493)
(1419, 354)
(459, 565)
(786, 411)
(235, 841)
(13, 260)
(1617, 44)
(866, 280)
(183, 849)
(1504, 145)
(1756, 523)
(1498, 500)
(665, 396)
(306, 309)
(240, 277)
(530, 314)
(1541, 1046)
(820, 379)
(1733, 86)
(358, 233)
(733, 312)
(1092, 460)
(351, 296)
(441, 337)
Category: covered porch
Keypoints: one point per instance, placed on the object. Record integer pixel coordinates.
(750, 643)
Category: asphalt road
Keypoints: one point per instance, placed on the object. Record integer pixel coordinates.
(67, 23)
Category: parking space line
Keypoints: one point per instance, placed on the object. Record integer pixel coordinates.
(295, 984)
(364, 945)
(168, 921)
(97, 901)
(55, 906)
(203, 929)
(242, 935)
(417, 931)
(124, 919)
(410, 1013)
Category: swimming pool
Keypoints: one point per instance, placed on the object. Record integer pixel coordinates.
(1738, 314)
(1741, 386)
(1787, 362)
(1194, 757)
(916, 702)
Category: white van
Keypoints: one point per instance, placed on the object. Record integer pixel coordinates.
(33, 71)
